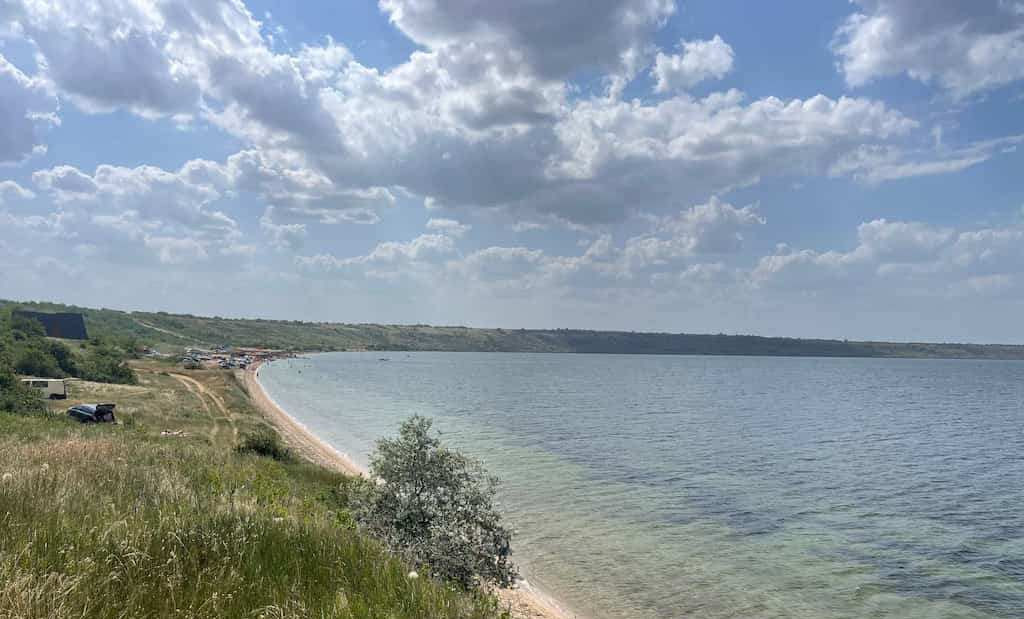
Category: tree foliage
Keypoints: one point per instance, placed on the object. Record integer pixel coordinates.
(14, 396)
(103, 361)
(31, 353)
(265, 442)
(435, 507)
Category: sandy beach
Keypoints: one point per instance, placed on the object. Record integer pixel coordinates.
(525, 601)
(297, 436)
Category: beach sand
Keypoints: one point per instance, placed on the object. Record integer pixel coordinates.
(525, 601)
(297, 436)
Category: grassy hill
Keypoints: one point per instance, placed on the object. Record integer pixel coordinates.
(160, 516)
(177, 330)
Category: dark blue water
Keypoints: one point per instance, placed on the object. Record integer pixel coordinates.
(654, 486)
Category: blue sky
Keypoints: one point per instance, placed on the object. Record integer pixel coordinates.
(837, 169)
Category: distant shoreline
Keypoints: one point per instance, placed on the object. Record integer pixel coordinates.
(171, 331)
(526, 601)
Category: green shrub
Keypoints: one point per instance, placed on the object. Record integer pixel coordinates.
(15, 397)
(33, 360)
(265, 442)
(106, 365)
(435, 507)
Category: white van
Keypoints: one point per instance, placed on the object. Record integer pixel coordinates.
(52, 388)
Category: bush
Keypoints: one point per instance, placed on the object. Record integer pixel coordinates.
(64, 357)
(435, 507)
(15, 397)
(265, 442)
(106, 365)
(34, 361)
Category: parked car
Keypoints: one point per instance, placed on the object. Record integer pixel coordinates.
(93, 413)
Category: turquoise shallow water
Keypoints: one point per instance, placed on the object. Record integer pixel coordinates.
(654, 486)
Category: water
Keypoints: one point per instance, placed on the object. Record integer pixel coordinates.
(655, 486)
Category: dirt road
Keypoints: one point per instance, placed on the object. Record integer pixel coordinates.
(206, 396)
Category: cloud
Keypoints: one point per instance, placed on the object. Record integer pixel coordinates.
(480, 118)
(448, 226)
(618, 154)
(10, 191)
(963, 47)
(110, 54)
(483, 120)
(66, 182)
(903, 258)
(56, 225)
(172, 250)
(699, 61)
(705, 229)
(287, 180)
(673, 244)
(26, 108)
(386, 260)
(515, 268)
(168, 213)
(282, 236)
(711, 228)
(881, 163)
(553, 39)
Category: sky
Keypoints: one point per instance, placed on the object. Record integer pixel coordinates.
(818, 169)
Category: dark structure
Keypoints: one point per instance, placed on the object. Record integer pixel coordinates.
(67, 326)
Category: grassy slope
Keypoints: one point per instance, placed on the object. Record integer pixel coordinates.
(176, 330)
(119, 521)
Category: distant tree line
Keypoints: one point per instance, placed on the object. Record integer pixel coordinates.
(179, 329)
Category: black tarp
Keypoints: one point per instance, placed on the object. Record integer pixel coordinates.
(66, 325)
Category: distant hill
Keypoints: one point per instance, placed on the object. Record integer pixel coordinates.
(179, 330)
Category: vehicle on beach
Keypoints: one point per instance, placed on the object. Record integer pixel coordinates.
(51, 388)
(93, 413)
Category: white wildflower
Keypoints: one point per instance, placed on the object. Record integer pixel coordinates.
(413, 575)
(8, 477)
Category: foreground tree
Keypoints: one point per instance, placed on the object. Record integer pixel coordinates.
(435, 507)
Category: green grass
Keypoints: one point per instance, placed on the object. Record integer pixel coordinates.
(119, 521)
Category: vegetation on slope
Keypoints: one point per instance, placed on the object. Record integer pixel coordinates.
(24, 349)
(177, 330)
(435, 507)
(162, 516)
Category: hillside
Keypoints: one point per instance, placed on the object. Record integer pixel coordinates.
(161, 515)
(177, 330)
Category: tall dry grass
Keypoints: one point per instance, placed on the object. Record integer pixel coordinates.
(109, 523)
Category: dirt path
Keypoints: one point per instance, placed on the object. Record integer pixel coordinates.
(200, 391)
(165, 331)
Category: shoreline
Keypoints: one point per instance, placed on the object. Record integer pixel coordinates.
(525, 601)
(294, 433)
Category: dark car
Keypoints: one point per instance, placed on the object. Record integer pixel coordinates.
(92, 413)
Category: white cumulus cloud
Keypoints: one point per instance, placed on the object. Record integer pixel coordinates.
(963, 47)
(698, 61)
(27, 107)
